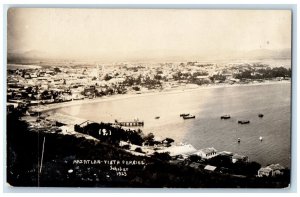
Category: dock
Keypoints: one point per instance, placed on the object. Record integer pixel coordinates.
(131, 124)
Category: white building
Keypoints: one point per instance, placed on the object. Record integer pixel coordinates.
(207, 153)
(271, 170)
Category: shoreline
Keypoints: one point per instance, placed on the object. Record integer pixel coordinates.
(181, 89)
(178, 90)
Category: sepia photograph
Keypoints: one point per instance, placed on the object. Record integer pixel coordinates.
(148, 98)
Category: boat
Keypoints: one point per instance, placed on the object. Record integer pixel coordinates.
(182, 115)
(260, 115)
(239, 140)
(225, 117)
(243, 121)
(260, 138)
(157, 117)
(188, 117)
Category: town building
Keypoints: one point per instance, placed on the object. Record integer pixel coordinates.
(207, 153)
(210, 168)
(271, 170)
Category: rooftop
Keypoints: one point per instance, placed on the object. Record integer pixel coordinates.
(276, 167)
(210, 168)
(208, 150)
(265, 170)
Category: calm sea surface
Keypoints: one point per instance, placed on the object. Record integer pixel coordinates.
(208, 130)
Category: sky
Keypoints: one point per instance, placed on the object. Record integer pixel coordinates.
(124, 34)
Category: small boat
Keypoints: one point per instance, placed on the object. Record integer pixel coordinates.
(239, 140)
(260, 115)
(157, 117)
(182, 115)
(188, 117)
(225, 117)
(260, 138)
(243, 121)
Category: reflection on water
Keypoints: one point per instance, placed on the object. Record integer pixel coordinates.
(208, 130)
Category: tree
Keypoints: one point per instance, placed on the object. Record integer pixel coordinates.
(162, 156)
(139, 150)
(217, 77)
(247, 74)
(252, 168)
(280, 72)
(169, 140)
(56, 69)
(136, 88)
(202, 73)
(135, 138)
(107, 77)
(177, 76)
(129, 81)
(194, 158)
(127, 146)
(149, 139)
(157, 77)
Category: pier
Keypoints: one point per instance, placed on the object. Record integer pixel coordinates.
(130, 124)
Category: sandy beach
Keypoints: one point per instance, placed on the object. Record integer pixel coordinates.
(49, 107)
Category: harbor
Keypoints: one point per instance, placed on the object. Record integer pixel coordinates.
(149, 98)
(207, 129)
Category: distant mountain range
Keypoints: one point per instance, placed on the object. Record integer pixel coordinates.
(27, 55)
(34, 55)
